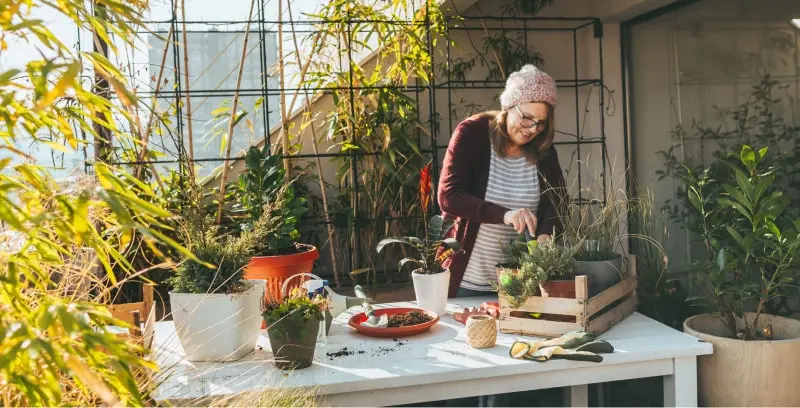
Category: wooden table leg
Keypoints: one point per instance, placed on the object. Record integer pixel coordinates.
(577, 396)
(680, 388)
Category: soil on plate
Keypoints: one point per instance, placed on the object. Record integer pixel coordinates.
(409, 319)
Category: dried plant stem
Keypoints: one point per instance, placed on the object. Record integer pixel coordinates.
(190, 163)
(232, 122)
(318, 42)
(284, 135)
(146, 133)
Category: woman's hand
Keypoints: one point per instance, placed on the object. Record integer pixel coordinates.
(542, 238)
(521, 218)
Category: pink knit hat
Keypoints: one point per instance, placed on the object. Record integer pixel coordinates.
(529, 84)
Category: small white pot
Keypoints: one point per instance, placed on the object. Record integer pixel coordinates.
(218, 327)
(431, 291)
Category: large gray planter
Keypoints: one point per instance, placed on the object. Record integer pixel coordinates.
(602, 274)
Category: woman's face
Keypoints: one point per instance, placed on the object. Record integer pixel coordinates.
(526, 121)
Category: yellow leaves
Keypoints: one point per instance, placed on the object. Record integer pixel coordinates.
(66, 82)
(90, 379)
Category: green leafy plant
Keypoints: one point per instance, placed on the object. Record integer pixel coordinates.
(298, 307)
(750, 257)
(264, 193)
(433, 248)
(533, 263)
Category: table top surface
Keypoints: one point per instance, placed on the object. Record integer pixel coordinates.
(351, 362)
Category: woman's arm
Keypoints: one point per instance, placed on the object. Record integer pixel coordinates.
(457, 176)
(553, 196)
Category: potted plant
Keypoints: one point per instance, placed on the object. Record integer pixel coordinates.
(431, 279)
(263, 191)
(215, 310)
(593, 229)
(553, 266)
(293, 324)
(752, 251)
(514, 284)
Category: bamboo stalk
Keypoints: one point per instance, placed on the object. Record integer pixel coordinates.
(234, 108)
(146, 133)
(318, 39)
(188, 93)
(284, 135)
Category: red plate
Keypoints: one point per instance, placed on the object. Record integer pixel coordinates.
(393, 332)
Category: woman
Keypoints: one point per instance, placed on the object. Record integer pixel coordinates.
(501, 178)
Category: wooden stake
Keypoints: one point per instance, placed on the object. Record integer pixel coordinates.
(188, 93)
(318, 39)
(234, 108)
(284, 135)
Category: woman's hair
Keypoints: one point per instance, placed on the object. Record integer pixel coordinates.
(498, 134)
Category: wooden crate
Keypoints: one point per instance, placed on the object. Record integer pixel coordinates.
(140, 315)
(563, 315)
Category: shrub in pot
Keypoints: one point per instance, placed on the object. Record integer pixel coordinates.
(431, 279)
(215, 310)
(752, 252)
(547, 268)
(262, 191)
(293, 324)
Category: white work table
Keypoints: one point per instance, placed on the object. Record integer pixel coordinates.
(436, 365)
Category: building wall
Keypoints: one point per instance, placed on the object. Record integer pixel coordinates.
(689, 64)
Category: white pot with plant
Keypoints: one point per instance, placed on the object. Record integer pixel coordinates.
(216, 312)
(753, 249)
(431, 279)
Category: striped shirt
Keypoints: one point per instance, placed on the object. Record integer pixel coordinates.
(513, 183)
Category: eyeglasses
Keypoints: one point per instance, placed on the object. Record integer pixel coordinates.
(528, 122)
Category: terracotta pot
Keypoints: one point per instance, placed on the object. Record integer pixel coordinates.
(293, 343)
(275, 270)
(558, 288)
(747, 373)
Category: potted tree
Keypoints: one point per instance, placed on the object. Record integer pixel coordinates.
(752, 249)
(215, 310)
(293, 324)
(431, 279)
(514, 284)
(263, 191)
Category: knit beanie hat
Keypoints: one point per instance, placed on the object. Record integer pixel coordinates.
(529, 84)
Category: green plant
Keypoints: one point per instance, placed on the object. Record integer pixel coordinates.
(433, 248)
(56, 349)
(298, 307)
(548, 261)
(750, 257)
(533, 263)
(263, 193)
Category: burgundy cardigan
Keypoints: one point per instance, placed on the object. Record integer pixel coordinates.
(462, 188)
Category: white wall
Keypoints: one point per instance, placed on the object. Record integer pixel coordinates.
(705, 55)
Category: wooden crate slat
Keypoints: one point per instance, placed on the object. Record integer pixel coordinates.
(536, 304)
(610, 295)
(608, 319)
(589, 313)
(546, 328)
(124, 311)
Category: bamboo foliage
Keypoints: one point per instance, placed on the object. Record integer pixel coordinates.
(55, 348)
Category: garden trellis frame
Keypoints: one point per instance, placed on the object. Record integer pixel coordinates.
(439, 85)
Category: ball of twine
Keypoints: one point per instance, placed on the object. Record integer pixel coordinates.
(481, 331)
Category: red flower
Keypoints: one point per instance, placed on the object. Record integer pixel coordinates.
(425, 187)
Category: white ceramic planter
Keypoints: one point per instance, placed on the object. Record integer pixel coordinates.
(218, 327)
(748, 373)
(431, 291)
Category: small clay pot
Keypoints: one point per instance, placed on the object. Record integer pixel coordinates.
(481, 331)
(558, 288)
